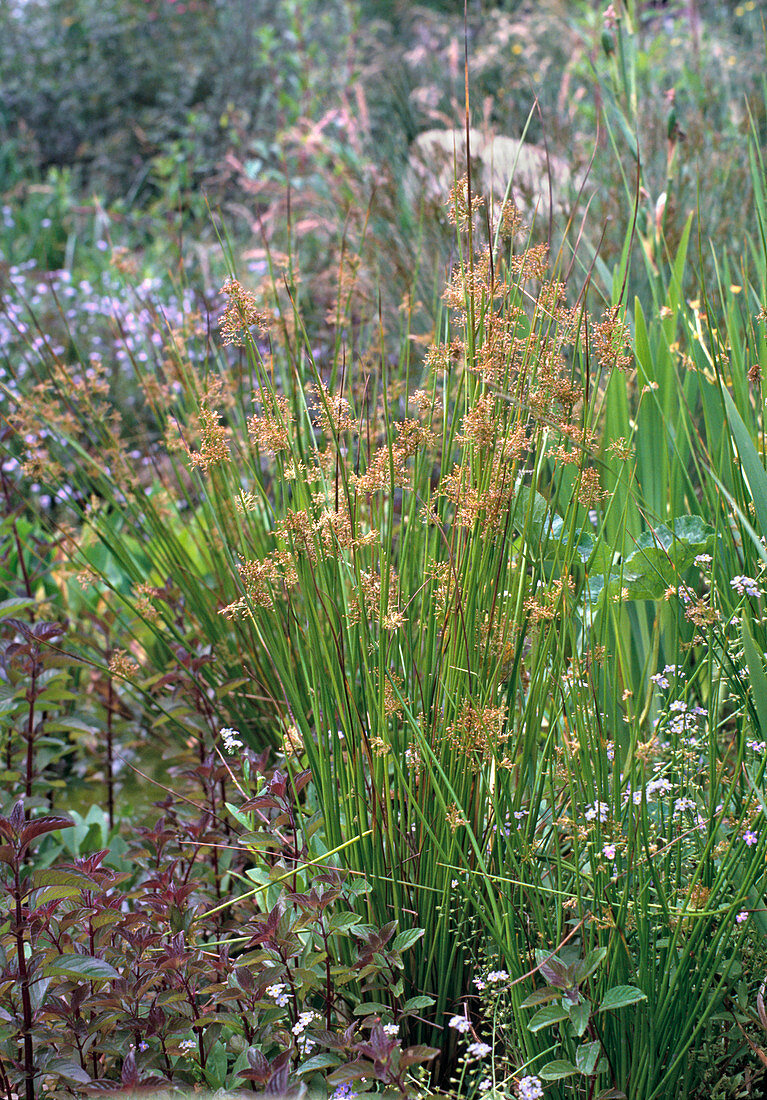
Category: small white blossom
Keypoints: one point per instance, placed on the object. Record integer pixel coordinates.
(498, 976)
(598, 810)
(745, 586)
(231, 739)
(459, 1023)
(278, 993)
(530, 1088)
(392, 1030)
(478, 1050)
(608, 851)
(304, 1019)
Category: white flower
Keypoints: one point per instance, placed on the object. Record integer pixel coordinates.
(598, 810)
(498, 976)
(187, 1044)
(460, 1023)
(745, 585)
(231, 739)
(304, 1019)
(658, 785)
(485, 1084)
(480, 983)
(392, 1030)
(608, 851)
(530, 1088)
(278, 994)
(478, 1050)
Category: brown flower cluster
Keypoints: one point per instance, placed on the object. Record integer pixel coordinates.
(270, 429)
(241, 314)
(480, 730)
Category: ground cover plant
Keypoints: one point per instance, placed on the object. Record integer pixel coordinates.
(383, 694)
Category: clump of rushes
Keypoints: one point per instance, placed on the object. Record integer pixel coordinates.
(449, 585)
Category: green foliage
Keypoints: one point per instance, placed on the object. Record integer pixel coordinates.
(495, 607)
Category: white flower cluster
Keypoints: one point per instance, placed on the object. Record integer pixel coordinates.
(304, 1019)
(530, 1088)
(746, 586)
(231, 739)
(278, 993)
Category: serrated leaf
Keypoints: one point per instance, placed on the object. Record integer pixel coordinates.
(318, 1061)
(81, 966)
(587, 1056)
(414, 1003)
(540, 997)
(371, 1008)
(587, 967)
(551, 1014)
(342, 922)
(621, 996)
(580, 1015)
(407, 938)
(52, 876)
(557, 1070)
(70, 1070)
(55, 893)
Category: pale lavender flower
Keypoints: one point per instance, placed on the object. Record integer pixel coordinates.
(745, 586)
(478, 1050)
(460, 1024)
(530, 1088)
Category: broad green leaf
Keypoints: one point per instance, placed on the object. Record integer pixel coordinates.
(540, 997)
(545, 1017)
(587, 1056)
(341, 922)
(416, 1003)
(215, 1066)
(587, 967)
(371, 1008)
(579, 1017)
(82, 966)
(70, 1070)
(407, 938)
(557, 1070)
(318, 1061)
(621, 996)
